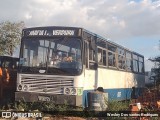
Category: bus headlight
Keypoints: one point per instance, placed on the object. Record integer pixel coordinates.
(67, 91)
(19, 87)
(73, 91)
(25, 87)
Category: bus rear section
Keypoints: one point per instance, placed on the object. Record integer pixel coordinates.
(8, 77)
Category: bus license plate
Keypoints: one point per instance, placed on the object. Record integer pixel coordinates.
(43, 98)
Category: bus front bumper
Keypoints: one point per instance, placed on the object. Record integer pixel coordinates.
(74, 100)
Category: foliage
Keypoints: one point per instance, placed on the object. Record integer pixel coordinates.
(118, 105)
(156, 70)
(10, 34)
(51, 106)
(41, 106)
(60, 111)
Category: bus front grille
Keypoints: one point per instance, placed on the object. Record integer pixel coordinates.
(46, 83)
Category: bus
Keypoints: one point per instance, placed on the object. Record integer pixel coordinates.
(62, 64)
(8, 77)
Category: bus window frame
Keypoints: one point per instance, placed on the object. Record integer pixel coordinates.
(86, 54)
(88, 36)
(135, 68)
(49, 48)
(113, 67)
(92, 63)
(123, 58)
(102, 55)
(137, 60)
(129, 58)
(141, 61)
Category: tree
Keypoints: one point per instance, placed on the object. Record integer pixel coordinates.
(10, 35)
(156, 70)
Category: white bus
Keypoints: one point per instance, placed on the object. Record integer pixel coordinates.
(63, 64)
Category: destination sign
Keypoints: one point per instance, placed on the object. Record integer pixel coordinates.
(63, 32)
(50, 32)
(38, 32)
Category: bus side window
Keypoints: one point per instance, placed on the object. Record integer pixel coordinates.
(111, 59)
(104, 58)
(129, 61)
(86, 55)
(112, 56)
(135, 63)
(141, 64)
(99, 56)
(91, 59)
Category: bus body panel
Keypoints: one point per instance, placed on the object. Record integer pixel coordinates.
(49, 88)
(110, 78)
(116, 82)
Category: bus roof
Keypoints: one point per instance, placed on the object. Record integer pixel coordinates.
(67, 31)
(94, 34)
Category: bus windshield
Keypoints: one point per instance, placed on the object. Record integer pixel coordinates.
(51, 56)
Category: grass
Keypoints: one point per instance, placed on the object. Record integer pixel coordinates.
(51, 109)
(51, 106)
(118, 105)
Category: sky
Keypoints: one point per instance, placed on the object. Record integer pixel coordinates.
(133, 24)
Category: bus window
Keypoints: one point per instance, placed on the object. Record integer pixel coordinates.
(86, 55)
(135, 63)
(111, 55)
(111, 48)
(128, 61)
(46, 43)
(104, 58)
(50, 54)
(141, 67)
(5, 64)
(52, 45)
(121, 58)
(111, 59)
(75, 54)
(63, 48)
(91, 55)
(101, 43)
(41, 61)
(100, 56)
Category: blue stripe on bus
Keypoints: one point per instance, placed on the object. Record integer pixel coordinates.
(114, 94)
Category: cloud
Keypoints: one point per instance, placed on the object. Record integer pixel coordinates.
(122, 21)
(156, 48)
(113, 19)
(110, 18)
